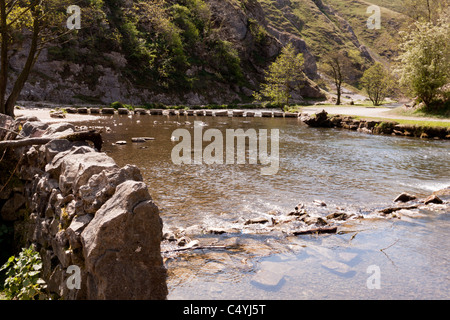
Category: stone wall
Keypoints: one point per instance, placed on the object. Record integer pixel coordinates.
(79, 208)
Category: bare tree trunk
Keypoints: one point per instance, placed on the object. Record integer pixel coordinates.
(338, 101)
(23, 77)
(4, 55)
(429, 10)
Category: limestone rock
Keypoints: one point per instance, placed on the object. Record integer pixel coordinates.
(75, 229)
(59, 129)
(33, 129)
(78, 168)
(404, 197)
(260, 220)
(54, 167)
(121, 247)
(56, 146)
(443, 194)
(338, 216)
(100, 187)
(433, 199)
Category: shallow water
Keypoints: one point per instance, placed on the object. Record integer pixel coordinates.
(340, 167)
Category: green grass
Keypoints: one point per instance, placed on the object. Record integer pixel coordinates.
(420, 123)
(443, 113)
(367, 104)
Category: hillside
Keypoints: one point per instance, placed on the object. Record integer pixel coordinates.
(203, 51)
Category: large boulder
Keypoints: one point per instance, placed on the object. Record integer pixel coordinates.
(319, 120)
(121, 247)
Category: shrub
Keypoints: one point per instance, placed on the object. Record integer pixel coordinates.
(23, 282)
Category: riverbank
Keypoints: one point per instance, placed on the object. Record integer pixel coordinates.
(45, 114)
(385, 127)
(382, 113)
(363, 119)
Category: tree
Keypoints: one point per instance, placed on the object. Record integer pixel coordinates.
(425, 59)
(337, 66)
(26, 23)
(283, 76)
(377, 82)
(425, 10)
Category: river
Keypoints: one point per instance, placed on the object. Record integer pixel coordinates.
(372, 258)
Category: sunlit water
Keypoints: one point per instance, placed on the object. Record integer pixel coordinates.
(340, 167)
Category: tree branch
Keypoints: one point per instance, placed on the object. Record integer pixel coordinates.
(93, 136)
(11, 131)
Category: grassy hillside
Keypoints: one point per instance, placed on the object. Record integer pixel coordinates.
(329, 25)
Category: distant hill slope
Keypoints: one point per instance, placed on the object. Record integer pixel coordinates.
(203, 51)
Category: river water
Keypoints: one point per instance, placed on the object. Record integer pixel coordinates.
(371, 259)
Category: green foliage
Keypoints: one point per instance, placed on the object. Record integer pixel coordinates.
(226, 60)
(154, 105)
(378, 83)
(424, 67)
(23, 282)
(258, 32)
(117, 105)
(424, 10)
(282, 77)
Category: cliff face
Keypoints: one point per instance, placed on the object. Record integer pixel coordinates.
(198, 52)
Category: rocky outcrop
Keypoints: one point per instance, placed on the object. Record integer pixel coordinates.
(78, 208)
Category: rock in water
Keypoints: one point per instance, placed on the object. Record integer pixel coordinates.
(319, 203)
(338, 216)
(443, 194)
(338, 268)
(320, 120)
(256, 221)
(270, 277)
(405, 197)
(433, 199)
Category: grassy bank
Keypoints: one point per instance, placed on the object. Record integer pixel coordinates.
(441, 113)
(417, 123)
